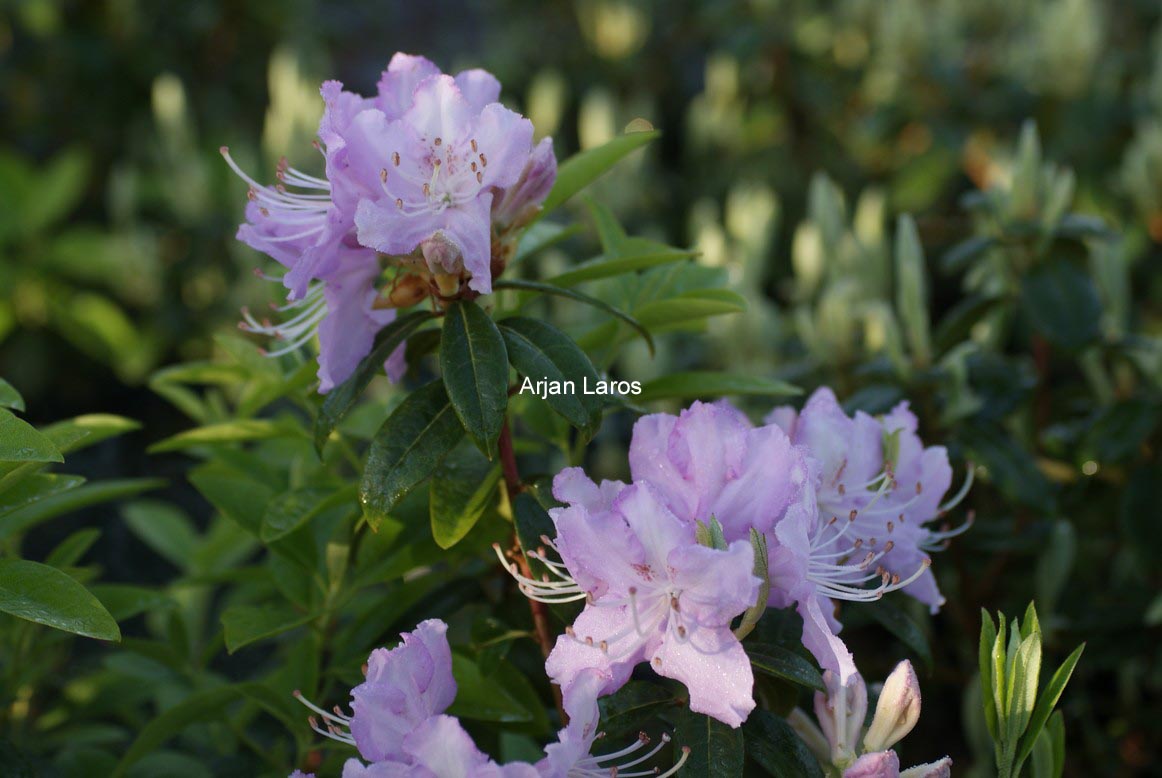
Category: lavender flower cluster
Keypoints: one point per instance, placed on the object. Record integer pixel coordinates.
(432, 176)
(720, 520)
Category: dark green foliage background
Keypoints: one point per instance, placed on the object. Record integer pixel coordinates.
(117, 258)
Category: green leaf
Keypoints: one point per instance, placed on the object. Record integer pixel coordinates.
(199, 706)
(716, 749)
(532, 522)
(901, 625)
(45, 595)
(609, 266)
(20, 442)
(246, 624)
(626, 709)
(462, 488)
(483, 698)
(87, 430)
(959, 256)
(341, 399)
(775, 747)
(238, 431)
(290, 510)
(577, 172)
(540, 236)
(9, 397)
(1046, 702)
(237, 496)
(535, 286)
(690, 385)
(689, 306)
(407, 448)
(73, 500)
(474, 364)
(542, 352)
(164, 528)
(1062, 303)
(784, 663)
(72, 548)
(124, 601)
(34, 488)
(988, 638)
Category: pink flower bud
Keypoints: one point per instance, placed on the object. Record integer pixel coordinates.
(897, 710)
(841, 712)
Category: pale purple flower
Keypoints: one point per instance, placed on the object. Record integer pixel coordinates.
(711, 462)
(301, 774)
(840, 711)
(439, 165)
(403, 688)
(519, 203)
(570, 756)
(652, 594)
(438, 748)
(879, 484)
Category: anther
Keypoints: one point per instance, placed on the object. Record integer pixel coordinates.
(395, 158)
(438, 141)
(383, 175)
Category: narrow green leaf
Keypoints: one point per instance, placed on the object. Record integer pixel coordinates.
(34, 488)
(474, 364)
(959, 256)
(577, 172)
(236, 495)
(716, 749)
(45, 595)
(71, 549)
(9, 397)
(610, 266)
(88, 430)
(780, 662)
(246, 624)
(238, 431)
(462, 488)
(542, 352)
(290, 510)
(1046, 702)
(988, 638)
(690, 385)
(341, 399)
(774, 746)
(572, 294)
(407, 448)
(165, 528)
(688, 307)
(73, 500)
(124, 601)
(20, 442)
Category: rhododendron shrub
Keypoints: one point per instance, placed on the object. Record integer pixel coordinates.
(418, 567)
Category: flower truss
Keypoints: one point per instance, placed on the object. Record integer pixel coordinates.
(719, 511)
(425, 188)
(398, 725)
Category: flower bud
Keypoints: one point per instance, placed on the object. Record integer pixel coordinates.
(883, 764)
(841, 712)
(520, 202)
(897, 710)
(442, 255)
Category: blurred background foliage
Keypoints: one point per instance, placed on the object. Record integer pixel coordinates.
(1020, 309)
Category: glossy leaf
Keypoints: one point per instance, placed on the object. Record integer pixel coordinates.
(246, 624)
(407, 448)
(784, 663)
(45, 595)
(462, 488)
(1062, 303)
(483, 698)
(542, 352)
(577, 172)
(238, 431)
(775, 747)
(572, 294)
(892, 618)
(474, 363)
(9, 397)
(716, 749)
(341, 399)
(20, 442)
